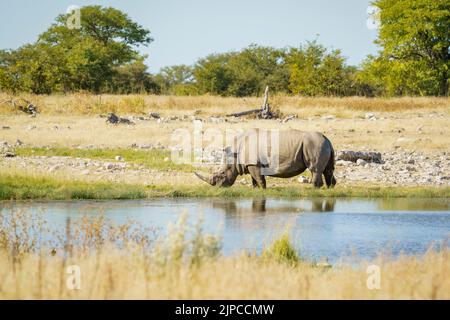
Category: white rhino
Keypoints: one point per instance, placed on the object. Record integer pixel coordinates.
(276, 153)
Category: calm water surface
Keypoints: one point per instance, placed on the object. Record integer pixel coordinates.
(320, 228)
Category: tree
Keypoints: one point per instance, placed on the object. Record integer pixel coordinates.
(415, 40)
(9, 74)
(315, 71)
(388, 77)
(132, 77)
(212, 74)
(178, 80)
(65, 59)
(104, 41)
(243, 73)
(35, 68)
(256, 67)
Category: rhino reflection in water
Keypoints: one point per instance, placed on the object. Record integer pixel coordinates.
(281, 154)
(259, 206)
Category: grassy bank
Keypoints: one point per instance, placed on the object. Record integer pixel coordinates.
(35, 187)
(20, 187)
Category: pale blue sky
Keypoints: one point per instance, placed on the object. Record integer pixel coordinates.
(186, 30)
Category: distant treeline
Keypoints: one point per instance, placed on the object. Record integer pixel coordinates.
(100, 56)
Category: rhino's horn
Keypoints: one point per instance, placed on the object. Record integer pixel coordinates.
(202, 178)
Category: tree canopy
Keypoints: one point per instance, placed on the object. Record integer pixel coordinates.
(415, 38)
(101, 55)
(73, 59)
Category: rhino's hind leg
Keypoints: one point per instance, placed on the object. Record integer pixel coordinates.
(257, 179)
(330, 180)
(317, 179)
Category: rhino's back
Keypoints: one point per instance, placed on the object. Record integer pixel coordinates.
(300, 150)
(269, 147)
(280, 150)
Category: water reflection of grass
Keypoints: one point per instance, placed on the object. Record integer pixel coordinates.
(414, 204)
(123, 262)
(18, 186)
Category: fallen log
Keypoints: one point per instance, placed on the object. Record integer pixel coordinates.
(263, 113)
(28, 107)
(353, 156)
(244, 113)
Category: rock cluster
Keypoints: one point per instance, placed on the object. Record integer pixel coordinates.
(113, 119)
(355, 156)
(400, 168)
(6, 150)
(396, 167)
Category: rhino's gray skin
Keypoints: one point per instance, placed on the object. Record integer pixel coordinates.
(296, 152)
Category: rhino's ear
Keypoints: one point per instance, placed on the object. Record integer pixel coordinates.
(227, 155)
(227, 151)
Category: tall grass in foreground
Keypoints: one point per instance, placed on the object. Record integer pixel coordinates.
(122, 262)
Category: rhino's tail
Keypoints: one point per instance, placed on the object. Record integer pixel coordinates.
(330, 165)
(329, 170)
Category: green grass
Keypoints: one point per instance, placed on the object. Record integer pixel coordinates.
(23, 187)
(282, 250)
(301, 192)
(16, 186)
(153, 158)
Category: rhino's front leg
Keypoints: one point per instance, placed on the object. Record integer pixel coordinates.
(257, 178)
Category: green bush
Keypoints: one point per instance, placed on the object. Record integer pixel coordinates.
(282, 250)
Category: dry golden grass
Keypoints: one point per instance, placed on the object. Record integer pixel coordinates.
(187, 265)
(72, 120)
(129, 274)
(88, 104)
(414, 131)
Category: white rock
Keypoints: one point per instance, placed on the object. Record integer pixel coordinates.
(343, 163)
(303, 179)
(54, 168)
(370, 115)
(119, 158)
(361, 162)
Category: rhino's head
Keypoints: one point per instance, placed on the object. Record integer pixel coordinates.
(226, 175)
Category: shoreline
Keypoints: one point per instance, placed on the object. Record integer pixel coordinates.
(27, 187)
